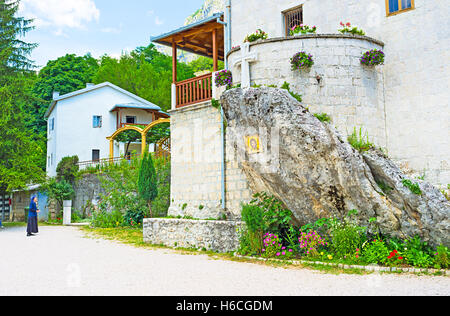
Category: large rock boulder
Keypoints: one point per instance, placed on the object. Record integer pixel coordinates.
(316, 173)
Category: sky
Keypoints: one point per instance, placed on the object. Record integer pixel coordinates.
(99, 26)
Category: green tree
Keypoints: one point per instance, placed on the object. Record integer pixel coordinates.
(145, 72)
(65, 75)
(205, 64)
(21, 152)
(147, 181)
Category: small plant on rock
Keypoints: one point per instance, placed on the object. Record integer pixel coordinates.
(413, 187)
(323, 117)
(359, 142)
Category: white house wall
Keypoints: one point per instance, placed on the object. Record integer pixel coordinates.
(74, 132)
(416, 71)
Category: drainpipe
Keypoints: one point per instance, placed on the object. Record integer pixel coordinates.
(227, 25)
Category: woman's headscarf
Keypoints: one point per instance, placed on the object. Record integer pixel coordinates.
(32, 198)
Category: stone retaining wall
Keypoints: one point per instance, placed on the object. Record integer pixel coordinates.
(219, 236)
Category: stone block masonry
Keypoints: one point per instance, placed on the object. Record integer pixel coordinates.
(196, 183)
(219, 236)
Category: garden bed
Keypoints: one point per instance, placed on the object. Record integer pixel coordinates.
(369, 268)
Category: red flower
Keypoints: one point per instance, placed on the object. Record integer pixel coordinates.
(400, 258)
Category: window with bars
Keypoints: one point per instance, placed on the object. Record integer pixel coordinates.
(398, 6)
(292, 17)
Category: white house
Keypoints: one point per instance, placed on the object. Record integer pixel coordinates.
(80, 122)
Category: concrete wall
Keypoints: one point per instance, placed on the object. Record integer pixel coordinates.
(416, 72)
(351, 94)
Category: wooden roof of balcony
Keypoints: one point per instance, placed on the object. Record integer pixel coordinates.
(196, 38)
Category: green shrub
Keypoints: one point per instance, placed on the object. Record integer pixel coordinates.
(346, 236)
(418, 253)
(441, 257)
(67, 169)
(134, 217)
(104, 219)
(275, 215)
(147, 181)
(375, 251)
(253, 217)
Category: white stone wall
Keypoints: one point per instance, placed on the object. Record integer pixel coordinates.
(351, 94)
(196, 184)
(416, 72)
(219, 236)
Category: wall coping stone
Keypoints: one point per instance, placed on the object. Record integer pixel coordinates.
(192, 107)
(309, 36)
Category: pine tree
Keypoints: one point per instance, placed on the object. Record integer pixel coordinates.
(13, 51)
(20, 152)
(147, 181)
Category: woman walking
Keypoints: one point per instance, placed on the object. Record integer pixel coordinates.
(32, 226)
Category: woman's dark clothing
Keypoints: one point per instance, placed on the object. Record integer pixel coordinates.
(32, 224)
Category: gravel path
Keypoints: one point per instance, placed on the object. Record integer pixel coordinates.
(60, 261)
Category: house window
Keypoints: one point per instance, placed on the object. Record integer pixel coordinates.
(397, 6)
(131, 119)
(292, 17)
(95, 155)
(51, 124)
(97, 121)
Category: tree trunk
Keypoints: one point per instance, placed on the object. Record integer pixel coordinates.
(150, 209)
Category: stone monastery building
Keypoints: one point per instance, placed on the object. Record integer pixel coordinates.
(403, 105)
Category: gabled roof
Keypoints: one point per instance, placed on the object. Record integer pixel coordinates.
(88, 89)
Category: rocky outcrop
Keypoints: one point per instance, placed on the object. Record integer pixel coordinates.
(309, 166)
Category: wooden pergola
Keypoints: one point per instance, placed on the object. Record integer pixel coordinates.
(204, 38)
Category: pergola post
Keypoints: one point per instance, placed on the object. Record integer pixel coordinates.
(111, 149)
(144, 143)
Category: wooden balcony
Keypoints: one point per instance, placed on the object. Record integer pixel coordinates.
(195, 90)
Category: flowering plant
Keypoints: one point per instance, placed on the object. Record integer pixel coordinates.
(347, 28)
(259, 34)
(394, 258)
(224, 78)
(373, 57)
(301, 60)
(303, 29)
(310, 242)
(274, 249)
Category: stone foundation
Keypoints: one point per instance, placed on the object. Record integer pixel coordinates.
(219, 236)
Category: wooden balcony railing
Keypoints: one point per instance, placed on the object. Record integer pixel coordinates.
(195, 90)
